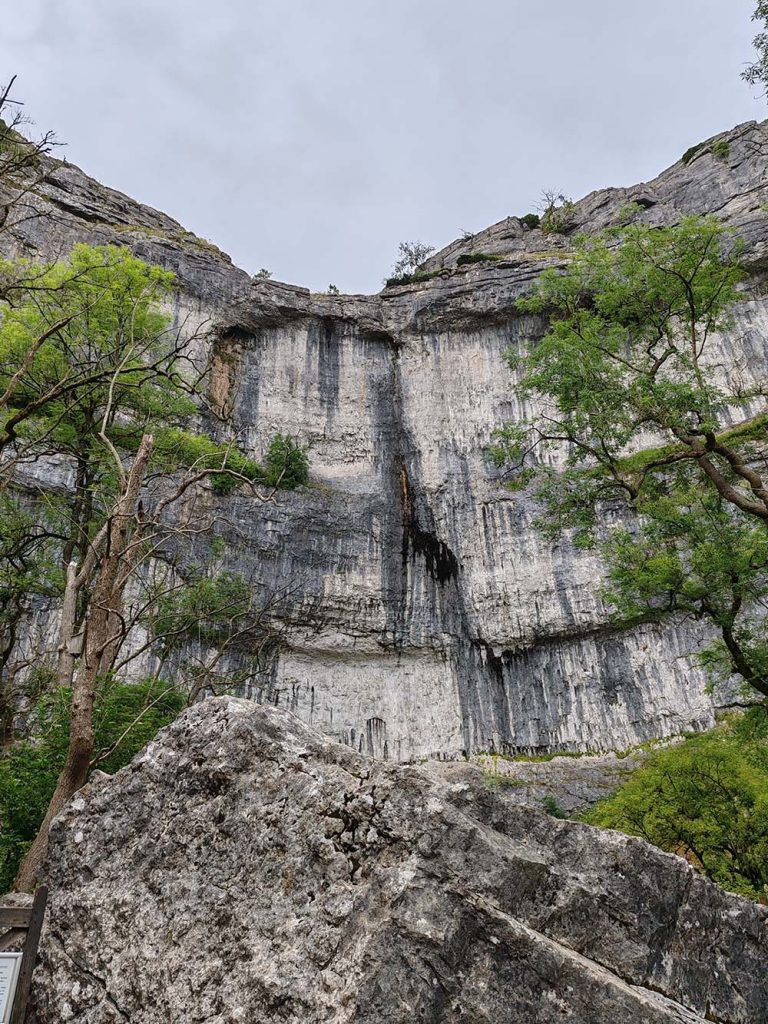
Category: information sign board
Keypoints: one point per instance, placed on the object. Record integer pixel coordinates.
(9, 975)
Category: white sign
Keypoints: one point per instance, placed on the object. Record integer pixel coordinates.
(10, 964)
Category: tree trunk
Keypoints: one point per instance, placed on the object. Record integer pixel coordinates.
(117, 548)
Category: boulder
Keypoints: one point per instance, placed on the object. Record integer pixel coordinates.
(246, 868)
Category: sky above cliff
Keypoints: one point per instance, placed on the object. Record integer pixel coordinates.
(310, 138)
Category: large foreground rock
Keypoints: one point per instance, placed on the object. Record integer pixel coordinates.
(244, 868)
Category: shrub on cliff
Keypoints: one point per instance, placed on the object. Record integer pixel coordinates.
(705, 799)
(286, 463)
(475, 257)
(557, 213)
(531, 221)
(412, 255)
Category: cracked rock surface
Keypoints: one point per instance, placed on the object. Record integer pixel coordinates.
(246, 868)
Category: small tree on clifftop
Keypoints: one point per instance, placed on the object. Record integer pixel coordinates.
(412, 255)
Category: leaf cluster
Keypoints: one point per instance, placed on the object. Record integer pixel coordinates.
(411, 256)
(691, 552)
(705, 799)
(205, 610)
(757, 72)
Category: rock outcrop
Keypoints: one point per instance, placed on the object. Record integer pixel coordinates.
(571, 783)
(245, 868)
(425, 615)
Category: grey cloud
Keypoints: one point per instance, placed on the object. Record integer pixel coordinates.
(311, 138)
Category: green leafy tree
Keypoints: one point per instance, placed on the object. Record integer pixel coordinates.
(628, 359)
(706, 799)
(558, 213)
(411, 256)
(96, 379)
(757, 72)
(93, 373)
(88, 364)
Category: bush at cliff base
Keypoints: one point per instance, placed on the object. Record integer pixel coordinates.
(705, 799)
(126, 719)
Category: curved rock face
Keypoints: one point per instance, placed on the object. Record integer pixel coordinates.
(426, 615)
(245, 868)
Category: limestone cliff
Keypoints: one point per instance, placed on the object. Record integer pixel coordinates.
(244, 868)
(424, 613)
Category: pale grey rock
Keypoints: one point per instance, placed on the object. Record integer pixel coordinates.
(425, 614)
(574, 783)
(730, 185)
(245, 868)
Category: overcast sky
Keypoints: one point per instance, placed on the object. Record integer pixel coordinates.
(311, 136)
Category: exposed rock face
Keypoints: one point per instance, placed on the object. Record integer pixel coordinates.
(245, 868)
(426, 614)
(573, 783)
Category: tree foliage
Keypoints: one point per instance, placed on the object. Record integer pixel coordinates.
(558, 213)
(757, 72)
(706, 799)
(96, 379)
(628, 361)
(691, 553)
(105, 451)
(410, 258)
(126, 719)
(286, 463)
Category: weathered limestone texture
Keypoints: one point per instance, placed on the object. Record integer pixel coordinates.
(246, 868)
(574, 783)
(425, 614)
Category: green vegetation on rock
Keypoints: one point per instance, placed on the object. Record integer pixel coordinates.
(690, 153)
(475, 257)
(127, 718)
(531, 220)
(705, 798)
